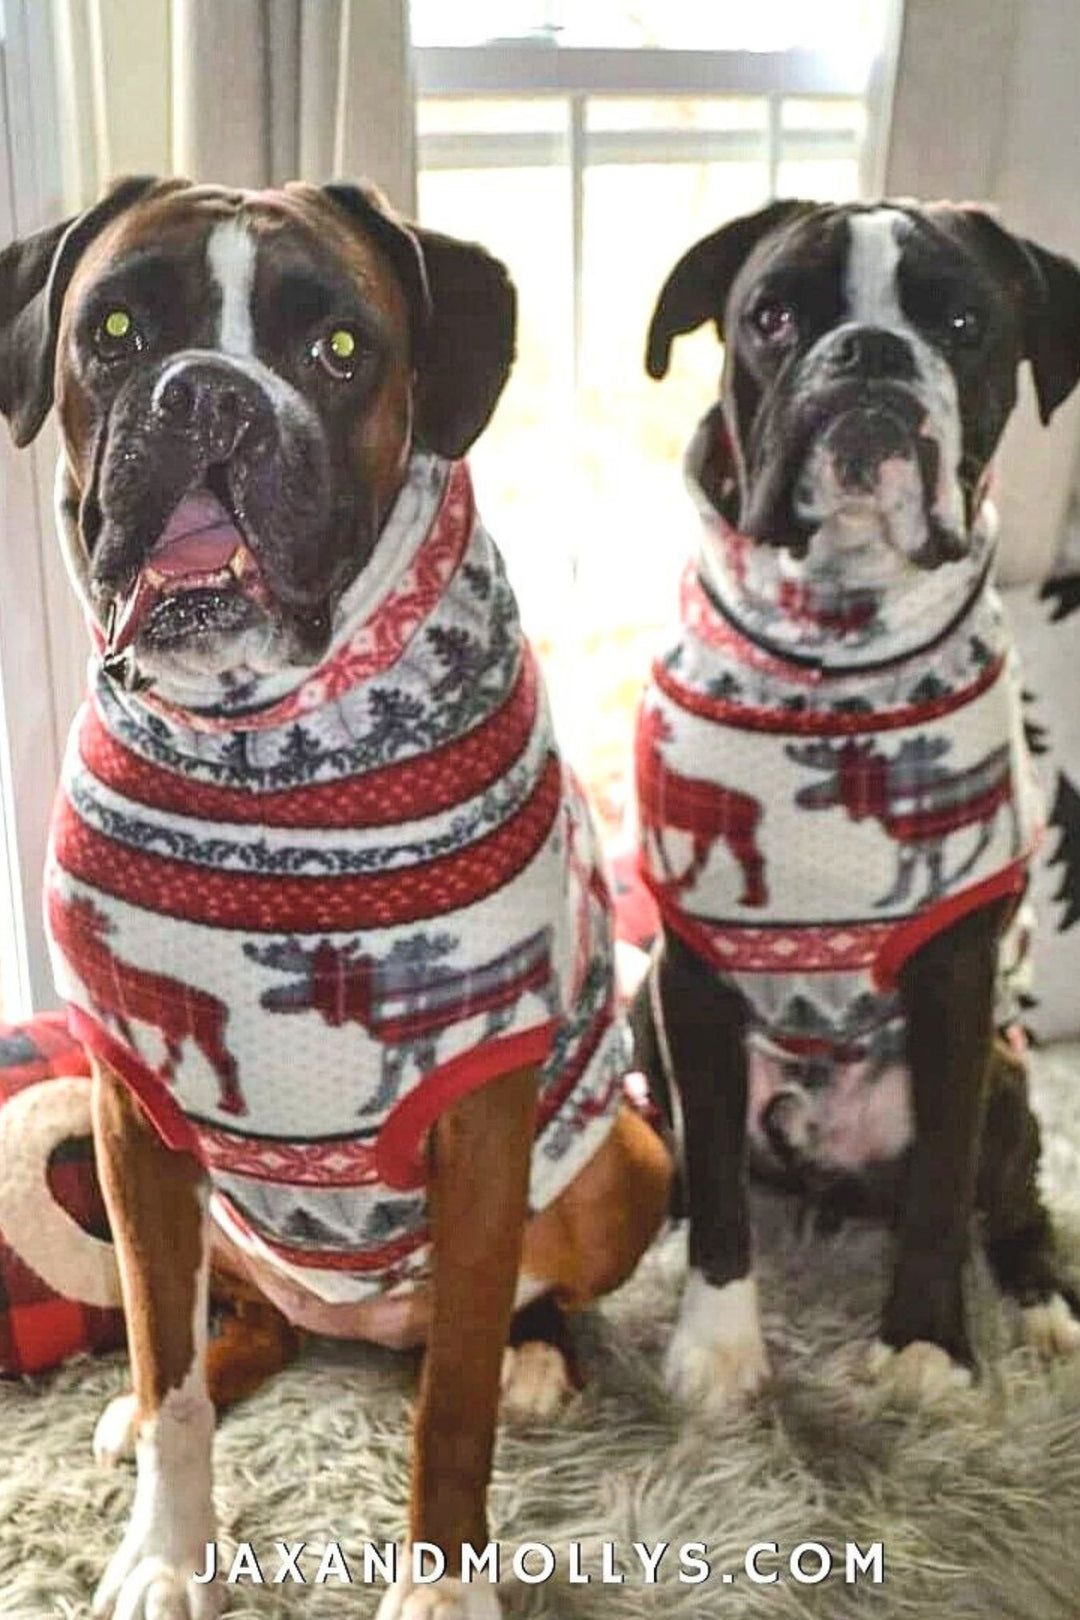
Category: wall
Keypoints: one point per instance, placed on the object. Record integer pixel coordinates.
(987, 108)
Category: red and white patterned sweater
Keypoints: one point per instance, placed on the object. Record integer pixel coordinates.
(826, 777)
(301, 923)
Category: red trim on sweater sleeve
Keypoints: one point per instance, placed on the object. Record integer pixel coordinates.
(151, 1093)
(398, 1151)
(917, 930)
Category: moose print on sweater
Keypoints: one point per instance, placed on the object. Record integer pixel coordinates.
(917, 800)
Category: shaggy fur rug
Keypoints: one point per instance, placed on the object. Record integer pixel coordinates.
(977, 1503)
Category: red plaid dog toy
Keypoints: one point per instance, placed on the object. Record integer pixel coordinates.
(59, 1290)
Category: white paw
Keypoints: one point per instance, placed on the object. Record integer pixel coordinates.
(535, 1382)
(1050, 1329)
(717, 1354)
(114, 1433)
(151, 1576)
(150, 1588)
(919, 1374)
(448, 1599)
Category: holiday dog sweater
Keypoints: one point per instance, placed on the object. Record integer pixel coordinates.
(826, 778)
(303, 923)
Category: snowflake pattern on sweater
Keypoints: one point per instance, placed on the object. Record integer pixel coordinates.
(302, 921)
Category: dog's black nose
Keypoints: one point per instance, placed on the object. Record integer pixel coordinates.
(873, 352)
(212, 401)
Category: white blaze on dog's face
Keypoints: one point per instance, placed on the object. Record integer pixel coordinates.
(862, 481)
(230, 252)
(870, 360)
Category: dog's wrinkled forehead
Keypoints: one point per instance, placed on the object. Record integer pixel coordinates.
(235, 270)
(864, 264)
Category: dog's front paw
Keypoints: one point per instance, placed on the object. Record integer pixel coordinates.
(717, 1354)
(1050, 1328)
(114, 1432)
(152, 1574)
(149, 1587)
(535, 1382)
(918, 1375)
(448, 1599)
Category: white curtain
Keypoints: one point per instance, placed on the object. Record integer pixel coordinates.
(247, 92)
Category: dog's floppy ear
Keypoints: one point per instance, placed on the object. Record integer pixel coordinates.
(34, 276)
(1047, 287)
(464, 320)
(697, 289)
(1053, 328)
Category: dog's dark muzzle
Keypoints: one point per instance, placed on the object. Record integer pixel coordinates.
(859, 439)
(851, 410)
(211, 509)
(867, 418)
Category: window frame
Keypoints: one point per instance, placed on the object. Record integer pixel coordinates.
(534, 68)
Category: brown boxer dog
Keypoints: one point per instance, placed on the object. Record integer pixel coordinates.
(277, 356)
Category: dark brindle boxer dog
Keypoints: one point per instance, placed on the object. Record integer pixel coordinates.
(835, 807)
(302, 626)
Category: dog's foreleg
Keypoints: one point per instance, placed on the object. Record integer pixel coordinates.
(156, 1201)
(947, 990)
(717, 1352)
(1019, 1234)
(478, 1182)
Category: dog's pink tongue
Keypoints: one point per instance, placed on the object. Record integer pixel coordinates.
(199, 538)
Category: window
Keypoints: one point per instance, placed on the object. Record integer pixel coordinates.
(588, 142)
(588, 145)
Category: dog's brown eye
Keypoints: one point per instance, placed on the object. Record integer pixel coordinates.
(117, 335)
(773, 320)
(965, 325)
(339, 352)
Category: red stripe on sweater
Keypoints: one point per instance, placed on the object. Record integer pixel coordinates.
(338, 1162)
(554, 1096)
(274, 904)
(374, 1259)
(817, 722)
(384, 797)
